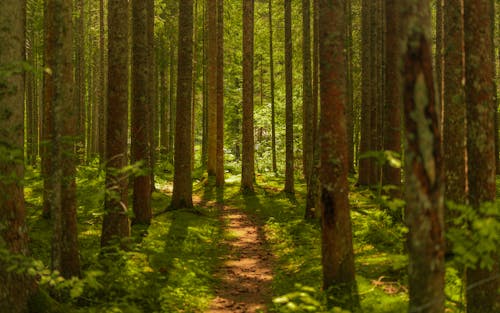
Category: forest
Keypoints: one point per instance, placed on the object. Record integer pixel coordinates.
(217, 156)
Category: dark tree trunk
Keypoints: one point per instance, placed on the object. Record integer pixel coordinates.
(141, 122)
(482, 284)
(337, 249)
(183, 187)
(393, 100)
(289, 166)
(79, 90)
(62, 171)
(116, 223)
(151, 92)
(423, 163)
(15, 288)
(247, 164)
(365, 164)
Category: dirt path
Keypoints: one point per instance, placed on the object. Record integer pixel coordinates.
(247, 271)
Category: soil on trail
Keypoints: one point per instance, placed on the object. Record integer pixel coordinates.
(246, 273)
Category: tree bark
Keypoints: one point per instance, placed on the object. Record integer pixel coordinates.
(365, 164)
(62, 171)
(307, 117)
(337, 249)
(212, 85)
(289, 166)
(392, 108)
(271, 73)
(454, 108)
(482, 284)
(219, 162)
(116, 224)
(141, 121)
(183, 187)
(247, 164)
(15, 288)
(423, 162)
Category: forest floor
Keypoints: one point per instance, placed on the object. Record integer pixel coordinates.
(230, 253)
(246, 273)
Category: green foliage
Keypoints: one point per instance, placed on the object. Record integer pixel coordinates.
(475, 234)
(303, 300)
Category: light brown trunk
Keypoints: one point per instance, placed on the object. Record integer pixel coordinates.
(337, 249)
(116, 224)
(423, 163)
(183, 187)
(247, 164)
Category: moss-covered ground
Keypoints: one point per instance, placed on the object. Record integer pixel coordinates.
(170, 264)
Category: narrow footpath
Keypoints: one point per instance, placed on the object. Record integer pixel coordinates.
(246, 273)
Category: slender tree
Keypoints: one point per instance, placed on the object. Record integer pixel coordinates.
(307, 117)
(212, 85)
(392, 108)
(141, 122)
(454, 108)
(272, 86)
(183, 187)
(312, 184)
(337, 249)
(365, 164)
(116, 224)
(482, 283)
(289, 159)
(79, 90)
(423, 162)
(15, 288)
(219, 162)
(247, 164)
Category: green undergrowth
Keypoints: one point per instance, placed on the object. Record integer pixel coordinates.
(169, 265)
(167, 268)
(379, 244)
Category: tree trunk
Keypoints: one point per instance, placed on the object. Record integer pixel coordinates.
(393, 99)
(423, 163)
(183, 187)
(62, 171)
(365, 164)
(307, 117)
(151, 92)
(350, 87)
(100, 102)
(289, 166)
(141, 122)
(337, 249)
(247, 164)
(212, 85)
(15, 289)
(482, 284)
(219, 166)
(312, 184)
(79, 90)
(454, 108)
(271, 73)
(116, 223)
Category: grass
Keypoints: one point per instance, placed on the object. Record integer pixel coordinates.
(170, 264)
